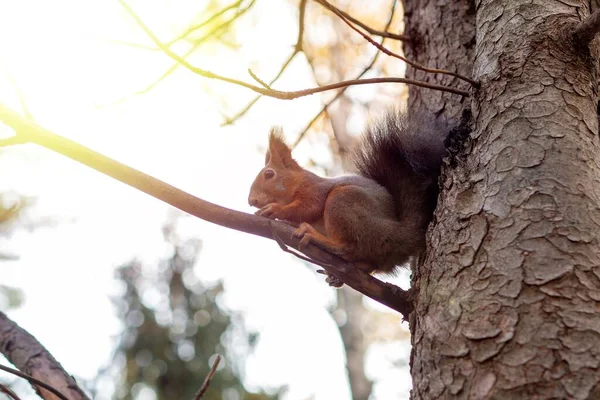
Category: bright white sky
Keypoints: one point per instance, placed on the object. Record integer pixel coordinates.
(70, 75)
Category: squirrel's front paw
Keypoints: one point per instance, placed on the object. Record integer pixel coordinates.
(269, 211)
(305, 232)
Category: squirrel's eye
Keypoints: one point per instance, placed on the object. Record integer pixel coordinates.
(269, 174)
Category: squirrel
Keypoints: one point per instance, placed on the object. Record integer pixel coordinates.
(376, 218)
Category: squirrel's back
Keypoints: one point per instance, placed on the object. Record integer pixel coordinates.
(376, 219)
(404, 153)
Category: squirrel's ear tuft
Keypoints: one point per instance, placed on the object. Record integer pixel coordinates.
(279, 152)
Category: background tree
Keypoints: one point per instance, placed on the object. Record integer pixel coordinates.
(169, 347)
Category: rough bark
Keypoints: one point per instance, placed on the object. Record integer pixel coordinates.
(30, 357)
(510, 292)
(442, 35)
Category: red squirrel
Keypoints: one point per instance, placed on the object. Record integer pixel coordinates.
(377, 218)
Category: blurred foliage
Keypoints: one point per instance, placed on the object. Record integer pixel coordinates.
(173, 329)
(10, 297)
(11, 207)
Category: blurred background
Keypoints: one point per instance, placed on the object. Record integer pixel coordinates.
(135, 298)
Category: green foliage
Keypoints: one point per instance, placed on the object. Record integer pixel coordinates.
(11, 297)
(174, 327)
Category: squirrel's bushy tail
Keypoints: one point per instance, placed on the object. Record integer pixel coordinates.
(404, 154)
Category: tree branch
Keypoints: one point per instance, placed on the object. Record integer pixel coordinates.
(197, 43)
(208, 378)
(9, 392)
(35, 381)
(385, 293)
(343, 90)
(11, 141)
(204, 23)
(243, 111)
(587, 29)
(277, 93)
(367, 28)
(47, 376)
(19, 93)
(297, 49)
(413, 64)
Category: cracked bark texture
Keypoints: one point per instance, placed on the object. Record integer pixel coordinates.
(509, 301)
(30, 357)
(443, 36)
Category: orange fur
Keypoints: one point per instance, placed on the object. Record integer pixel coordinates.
(376, 219)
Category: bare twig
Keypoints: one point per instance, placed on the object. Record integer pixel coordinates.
(202, 24)
(395, 55)
(197, 43)
(277, 93)
(257, 79)
(33, 380)
(587, 29)
(9, 392)
(11, 141)
(19, 93)
(297, 49)
(343, 90)
(387, 294)
(208, 378)
(35, 363)
(188, 31)
(301, 19)
(243, 111)
(367, 28)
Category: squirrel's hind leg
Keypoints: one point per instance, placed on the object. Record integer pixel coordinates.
(309, 234)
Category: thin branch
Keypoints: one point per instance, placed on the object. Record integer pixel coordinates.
(342, 91)
(395, 55)
(19, 93)
(35, 381)
(9, 392)
(367, 28)
(386, 294)
(208, 378)
(301, 18)
(194, 47)
(13, 140)
(243, 111)
(184, 34)
(204, 23)
(298, 47)
(257, 79)
(277, 93)
(35, 363)
(587, 29)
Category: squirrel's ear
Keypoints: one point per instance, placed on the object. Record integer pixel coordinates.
(279, 152)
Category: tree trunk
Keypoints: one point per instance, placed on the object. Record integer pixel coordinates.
(442, 36)
(353, 338)
(510, 291)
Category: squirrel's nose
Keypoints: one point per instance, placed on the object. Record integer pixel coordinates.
(252, 201)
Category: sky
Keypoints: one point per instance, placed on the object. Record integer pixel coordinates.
(78, 80)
